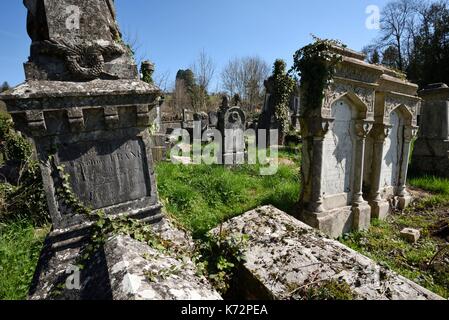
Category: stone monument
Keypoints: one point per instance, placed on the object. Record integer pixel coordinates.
(232, 126)
(431, 151)
(388, 144)
(341, 169)
(87, 112)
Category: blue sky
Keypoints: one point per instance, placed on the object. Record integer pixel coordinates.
(173, 32)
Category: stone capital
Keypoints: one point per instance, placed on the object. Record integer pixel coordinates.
(410, 132)
(363, 128)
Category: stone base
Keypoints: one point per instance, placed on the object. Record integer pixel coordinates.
(362, 217)
(334, 223)
(339, 221)
(234, 158)
(404, 202)
(380, 209)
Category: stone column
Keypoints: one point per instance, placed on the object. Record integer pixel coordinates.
(379, 206)
(319, 131)
(403, 195)
(361, 209)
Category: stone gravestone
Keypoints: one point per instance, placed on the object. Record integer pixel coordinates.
(431, 151)
(213, 119)
(232, 126)
(87, 112)
(388, 144)
(341, 169)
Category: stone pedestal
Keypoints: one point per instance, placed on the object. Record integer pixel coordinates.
(87, 113)
(97, 133)
(431, 150)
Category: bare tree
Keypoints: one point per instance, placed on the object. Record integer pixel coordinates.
(398, 24)
(204, 70)
(245, 77)
(161, 80)
(133, 42)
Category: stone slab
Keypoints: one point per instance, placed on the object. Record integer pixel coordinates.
(138, 272)
(284, 255)
(120, 270)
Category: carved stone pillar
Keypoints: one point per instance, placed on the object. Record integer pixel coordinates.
(361, 208)
(404, 196)
(379, 207)
(319, 131)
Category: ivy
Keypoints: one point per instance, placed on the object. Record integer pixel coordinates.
(26, 198)
(147, 75)
(283, 86)
(316, 64)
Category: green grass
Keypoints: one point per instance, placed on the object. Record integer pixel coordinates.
(382, 242)
(432, 184)
(20, 246)
(200, 197)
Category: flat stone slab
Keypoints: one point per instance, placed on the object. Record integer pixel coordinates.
(285, 257)
(138, 272)
(122, 269)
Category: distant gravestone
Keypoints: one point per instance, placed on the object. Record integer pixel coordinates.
(187, 119)
(232, 125)
(213, 119)
(87, 112)
(431, 151)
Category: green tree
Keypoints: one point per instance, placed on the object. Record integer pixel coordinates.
(5, 86)
(429, 61)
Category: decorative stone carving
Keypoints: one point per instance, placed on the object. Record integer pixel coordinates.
(96, 128)
(343, 147)
(76, 42)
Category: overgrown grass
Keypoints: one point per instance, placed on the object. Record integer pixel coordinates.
(432, 184)
(200, 197)
(20, 246)
(418, 262)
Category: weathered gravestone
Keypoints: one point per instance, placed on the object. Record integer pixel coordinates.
(213, 119)
(267, 120)
(388, 144)
(232, 126)
(87, 112)
(187, 119)
(338, 175)
(431, 151)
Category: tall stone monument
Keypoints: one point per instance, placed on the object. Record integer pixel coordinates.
(349, 170)
(431, 151)
(87, 112)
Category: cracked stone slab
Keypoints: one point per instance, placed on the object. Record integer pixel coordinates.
(284, 256)
(138, 272)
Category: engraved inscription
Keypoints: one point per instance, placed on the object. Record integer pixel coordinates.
(107, 173)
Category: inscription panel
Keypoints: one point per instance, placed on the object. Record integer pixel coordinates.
(107, 173)
(338, 151)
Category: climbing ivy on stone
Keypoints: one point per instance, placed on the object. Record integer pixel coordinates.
(316, 64)
(283, 86)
